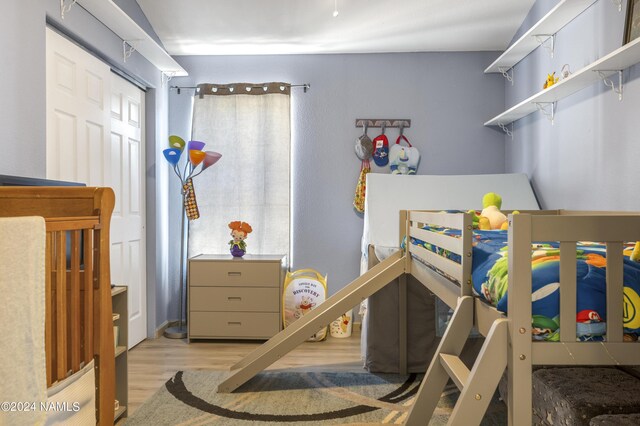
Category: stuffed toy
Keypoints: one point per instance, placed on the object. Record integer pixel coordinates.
(635, 255)
(239, 232)
(491, 217)
(551, 80)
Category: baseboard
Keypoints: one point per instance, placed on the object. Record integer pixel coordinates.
(160, 330)
(357, 327)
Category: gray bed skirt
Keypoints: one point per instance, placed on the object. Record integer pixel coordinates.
(381, 341)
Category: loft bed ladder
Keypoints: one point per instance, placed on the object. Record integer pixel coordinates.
(477, 385)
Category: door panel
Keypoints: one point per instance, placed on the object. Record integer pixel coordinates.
(127, 136)
(95, 136)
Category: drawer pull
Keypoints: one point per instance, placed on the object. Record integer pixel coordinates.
(234, 274)
(234, 323)
(234, 298)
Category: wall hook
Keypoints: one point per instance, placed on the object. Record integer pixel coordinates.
(387, 122)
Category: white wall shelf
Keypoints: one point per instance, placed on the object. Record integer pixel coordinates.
(133, 35)
(543, 30)
(618, 60)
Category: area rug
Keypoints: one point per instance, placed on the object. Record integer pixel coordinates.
(294, 398)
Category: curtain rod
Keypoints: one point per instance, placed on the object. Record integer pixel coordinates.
(305, 86)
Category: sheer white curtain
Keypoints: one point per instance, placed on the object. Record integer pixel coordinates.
(251, 181)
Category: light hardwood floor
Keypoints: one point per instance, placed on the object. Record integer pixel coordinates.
(155, 361)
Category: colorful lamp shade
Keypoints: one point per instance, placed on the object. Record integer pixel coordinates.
(196, 157)
(195, 145)
(176, 142)
(172, 155)
(210, 159)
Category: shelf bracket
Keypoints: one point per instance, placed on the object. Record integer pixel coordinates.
(505, 73)
(65, 6)
(610, 84)
(505, 129)
(128, 47)
(542, 39)
(548, 109)
(166, 76)
(617, 3)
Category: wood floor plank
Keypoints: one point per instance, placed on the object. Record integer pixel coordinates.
(155, 361)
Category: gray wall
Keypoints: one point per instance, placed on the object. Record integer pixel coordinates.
(446, 95)
(23, 119)
(588, 158)
(22, 107)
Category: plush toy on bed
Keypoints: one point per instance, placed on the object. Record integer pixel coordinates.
(491, 217)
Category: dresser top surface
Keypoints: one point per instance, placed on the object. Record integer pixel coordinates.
(245, 258)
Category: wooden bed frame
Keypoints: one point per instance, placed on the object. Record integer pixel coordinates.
(78, 326)
(508, 344)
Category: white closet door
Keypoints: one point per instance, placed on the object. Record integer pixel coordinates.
(77, 114)
(95, 136)
(128, 260)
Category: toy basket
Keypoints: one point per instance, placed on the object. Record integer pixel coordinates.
(304, 290)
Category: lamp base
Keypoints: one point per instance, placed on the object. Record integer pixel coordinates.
(176, 332)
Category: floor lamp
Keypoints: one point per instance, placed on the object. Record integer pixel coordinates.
(197, 157)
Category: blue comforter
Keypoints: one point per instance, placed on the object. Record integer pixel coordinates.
(490, 279)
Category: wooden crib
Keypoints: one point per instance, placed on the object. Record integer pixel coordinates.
(78, 325)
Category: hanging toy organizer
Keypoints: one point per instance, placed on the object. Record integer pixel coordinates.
(378, 150)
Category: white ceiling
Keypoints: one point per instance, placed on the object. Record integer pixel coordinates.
(250, 27)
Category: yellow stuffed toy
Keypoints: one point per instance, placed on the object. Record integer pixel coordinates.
(491, 217)
(551, 80)
(635, 255)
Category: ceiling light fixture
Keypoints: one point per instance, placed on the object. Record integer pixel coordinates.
(335, 8)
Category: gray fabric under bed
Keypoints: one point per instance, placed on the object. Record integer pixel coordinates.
(383, 324)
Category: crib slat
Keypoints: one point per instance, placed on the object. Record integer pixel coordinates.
(47, 308)
(614, 291)
(75, 301)
(88, 294)
(568, 291)
(61, 305)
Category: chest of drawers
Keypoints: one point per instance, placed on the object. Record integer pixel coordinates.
(235, 298)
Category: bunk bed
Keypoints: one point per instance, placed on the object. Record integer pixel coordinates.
(71, 225)
(402, 323)
(508, 344)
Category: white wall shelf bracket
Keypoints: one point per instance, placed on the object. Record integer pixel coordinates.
(548, 41)
(505, 73)
(505, 129)
(617, 3)
(166, 76)
(128, 47)
(65, 6)
(548, 109)
(610, 83)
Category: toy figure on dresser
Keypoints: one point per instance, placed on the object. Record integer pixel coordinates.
(239, 231)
